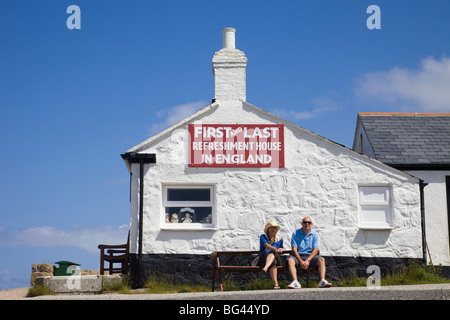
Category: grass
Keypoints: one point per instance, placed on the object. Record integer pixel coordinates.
(414, 274)
(161, 283)
(157, 283)
(117, 287)
(39, 290)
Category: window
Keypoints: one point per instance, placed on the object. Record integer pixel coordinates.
(188, 207)
(375, 210)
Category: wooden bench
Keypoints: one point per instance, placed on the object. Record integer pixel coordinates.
(115, 254)
(218, 267)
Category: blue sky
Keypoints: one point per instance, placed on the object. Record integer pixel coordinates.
(73, 100)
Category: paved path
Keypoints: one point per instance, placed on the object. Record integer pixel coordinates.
(415, 292)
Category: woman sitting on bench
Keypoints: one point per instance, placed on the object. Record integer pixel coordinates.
(271, 245)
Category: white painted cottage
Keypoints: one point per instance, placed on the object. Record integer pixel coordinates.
(213, 180)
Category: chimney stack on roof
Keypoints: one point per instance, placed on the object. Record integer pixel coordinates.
(229, 69)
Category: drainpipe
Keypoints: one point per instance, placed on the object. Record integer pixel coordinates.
(142, 159)
(422, 185)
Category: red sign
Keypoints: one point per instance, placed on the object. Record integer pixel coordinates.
(236, 145)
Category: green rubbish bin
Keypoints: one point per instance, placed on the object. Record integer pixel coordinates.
(62, 270)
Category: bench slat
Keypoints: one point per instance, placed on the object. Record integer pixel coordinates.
(244, 268)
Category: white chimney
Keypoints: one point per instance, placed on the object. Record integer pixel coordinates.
(229, 65)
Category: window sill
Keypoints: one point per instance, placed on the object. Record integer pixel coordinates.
(188, 227)
(376, 227)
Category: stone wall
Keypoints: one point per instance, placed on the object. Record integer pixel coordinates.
(45, 269)
(41, 270)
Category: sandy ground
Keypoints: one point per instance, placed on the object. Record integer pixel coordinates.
(13, 294)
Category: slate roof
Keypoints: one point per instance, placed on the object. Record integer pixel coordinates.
(414, 140)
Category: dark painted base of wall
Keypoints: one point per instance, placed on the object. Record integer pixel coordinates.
(197, 269)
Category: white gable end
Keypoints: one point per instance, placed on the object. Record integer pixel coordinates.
(298, 140)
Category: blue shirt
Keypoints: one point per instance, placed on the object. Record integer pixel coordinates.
(263, 240)
(305, 243)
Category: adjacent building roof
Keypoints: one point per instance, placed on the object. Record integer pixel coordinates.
(408, 140)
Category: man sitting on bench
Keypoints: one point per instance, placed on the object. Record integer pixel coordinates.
(305, 253)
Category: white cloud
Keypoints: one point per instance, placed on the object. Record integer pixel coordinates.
(319, 106)
(172, 115)
(81, 237)
(425, 89)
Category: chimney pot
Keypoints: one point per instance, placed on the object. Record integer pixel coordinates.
(229, 38)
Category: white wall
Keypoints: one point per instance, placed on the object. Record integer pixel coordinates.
(320, 179)
(436, 217)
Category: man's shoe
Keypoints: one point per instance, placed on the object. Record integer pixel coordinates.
(294, 285)
(324, 284)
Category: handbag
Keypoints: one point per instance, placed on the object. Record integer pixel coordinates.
(256, 260)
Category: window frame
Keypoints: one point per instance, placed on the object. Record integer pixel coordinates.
(194, 226)
(365, 205)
